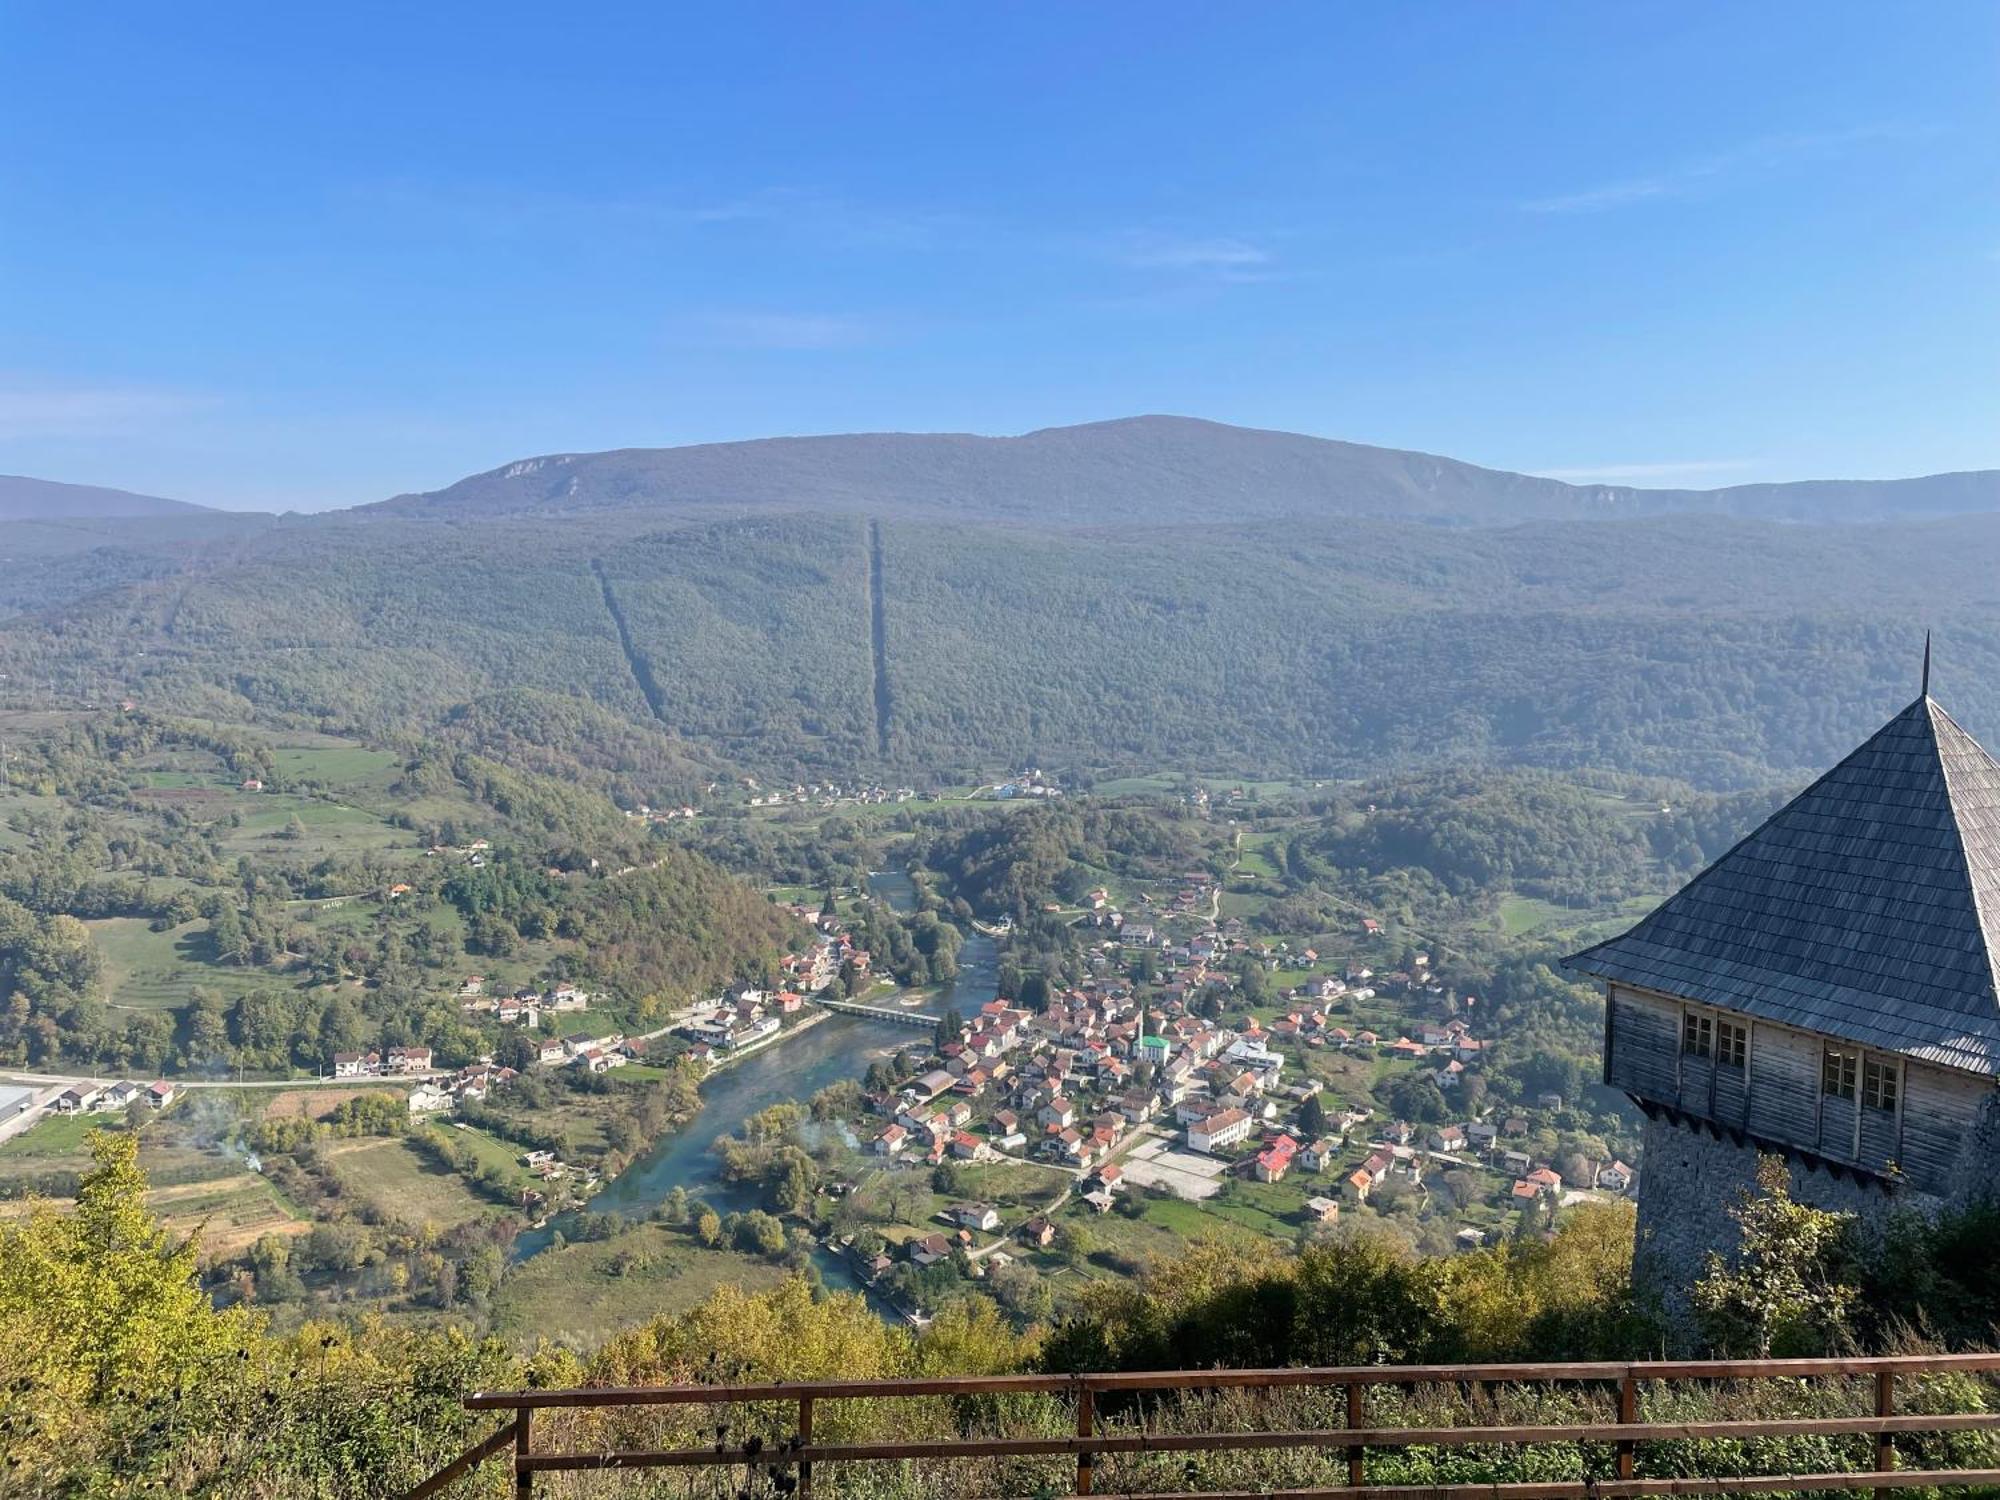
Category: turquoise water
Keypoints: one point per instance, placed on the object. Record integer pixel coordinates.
(795, 1068)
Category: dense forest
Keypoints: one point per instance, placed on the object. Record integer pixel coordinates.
(1721, 652)
(1561, 839)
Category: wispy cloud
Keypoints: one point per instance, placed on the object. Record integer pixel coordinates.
(1648, 473)
(820, 216)
(1158, 252)
(1764, 154)
(788, 331)
(1192, 259)
(30, 410)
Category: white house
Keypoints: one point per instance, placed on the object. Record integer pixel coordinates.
(1224, 1128)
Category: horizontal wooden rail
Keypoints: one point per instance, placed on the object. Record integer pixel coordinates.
(1271, 1379)
(1595, 1489)
(1231, 1442)
(1090, 1444)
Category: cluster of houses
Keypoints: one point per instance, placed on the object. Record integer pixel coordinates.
(106, 1098)
(739, 1020)
(596, 1054)
(829, 794)
(472, 853)
(1402, 1150)
(469, 1085)
(394, 1062)
(1069, 1084)
(1062, 1085)
(524, 1007)
(649, 815)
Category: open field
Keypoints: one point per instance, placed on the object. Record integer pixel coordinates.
(55, 1140)
(901, 1202)
(1519, 915)
(400, 1185)
(314, 1104)
(330, 828)
(57, 1144)
(583, 1293)
(489, 1149)
(337, 762)
(15, 801)
(147, 970)
(1258, 856)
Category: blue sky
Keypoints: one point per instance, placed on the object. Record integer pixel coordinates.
(289, 256)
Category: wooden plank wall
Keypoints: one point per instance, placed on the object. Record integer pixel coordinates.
(1778, 1099)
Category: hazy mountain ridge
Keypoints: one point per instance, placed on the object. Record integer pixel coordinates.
(1131, 594)
(1138, 470)
(26, 499)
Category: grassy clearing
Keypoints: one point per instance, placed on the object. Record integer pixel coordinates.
(58, 1143)
(331, 828)
(147, 970)
(336, 763)
(1165, 1230)
(584, 1293)
(401, 1185)
(13, 800)
(314, 1104)
(901, 1202)
(489, 1149)
(1519, 915)
(1258, 857)
(54, 1141)
(1523, 914)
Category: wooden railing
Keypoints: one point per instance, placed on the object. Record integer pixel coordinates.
(797, 1457)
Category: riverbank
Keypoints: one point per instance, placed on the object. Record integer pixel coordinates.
(733, 1058)
(825, 1048)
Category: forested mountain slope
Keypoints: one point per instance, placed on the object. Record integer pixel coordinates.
(1721, 651)
(869, 632)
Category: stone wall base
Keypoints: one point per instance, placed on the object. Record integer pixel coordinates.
(1691, 1179)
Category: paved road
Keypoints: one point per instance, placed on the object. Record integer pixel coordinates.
(65, 1080)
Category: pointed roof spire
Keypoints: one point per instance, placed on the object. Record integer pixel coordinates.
(1867, 908)
(1927, 665)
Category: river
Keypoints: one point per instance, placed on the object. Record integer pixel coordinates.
(796, 1067)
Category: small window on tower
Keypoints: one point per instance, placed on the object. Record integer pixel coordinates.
(1878, 1085)
(1732, 1044)
(1838, 1073)
(1697, 1035)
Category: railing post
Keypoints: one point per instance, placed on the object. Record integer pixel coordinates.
(1885, 1442)
(1357, 1456)
(524, 1477)
(1628, 1412)
(1086, 1412)
(805, 1440)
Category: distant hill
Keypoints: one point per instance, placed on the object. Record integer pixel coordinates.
(1131, 595)
(24, 499)
(1136, 471)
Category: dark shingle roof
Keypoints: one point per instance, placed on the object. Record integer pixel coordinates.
(1867, 908)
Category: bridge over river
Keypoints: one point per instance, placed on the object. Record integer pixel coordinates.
(881, 1013)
